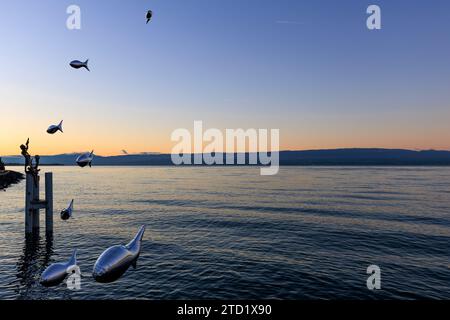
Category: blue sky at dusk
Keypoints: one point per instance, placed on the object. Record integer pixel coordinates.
(310, 68)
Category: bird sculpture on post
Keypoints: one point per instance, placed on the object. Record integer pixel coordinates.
(25, 154)
(29, 167)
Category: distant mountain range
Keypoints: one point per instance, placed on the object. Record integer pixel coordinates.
(344, 157)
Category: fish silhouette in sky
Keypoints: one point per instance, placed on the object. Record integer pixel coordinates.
(149, 15)
(78, 64)
(55, 128)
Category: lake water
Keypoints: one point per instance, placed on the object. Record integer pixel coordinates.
(306, 233)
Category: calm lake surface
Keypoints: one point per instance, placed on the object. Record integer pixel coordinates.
(306, 233)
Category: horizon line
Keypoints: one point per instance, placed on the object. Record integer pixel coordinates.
(237, 152)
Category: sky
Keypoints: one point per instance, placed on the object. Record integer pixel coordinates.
(311, 69)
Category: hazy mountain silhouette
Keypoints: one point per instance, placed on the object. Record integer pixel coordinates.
(308, 157)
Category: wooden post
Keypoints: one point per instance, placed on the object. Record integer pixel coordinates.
(28, 208)
(36, 200)
(33, 204)
(49, 202)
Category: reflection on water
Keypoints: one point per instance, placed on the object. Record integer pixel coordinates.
(230, 233)
(35, 258)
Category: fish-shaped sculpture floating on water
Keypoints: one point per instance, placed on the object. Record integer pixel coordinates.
(114, 261)
(57, 272)
(78, 64)
(55, 128)
(67, 213)
(85, 159)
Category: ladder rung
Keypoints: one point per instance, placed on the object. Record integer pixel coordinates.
(38, 204)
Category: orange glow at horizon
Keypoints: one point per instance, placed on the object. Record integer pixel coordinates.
(106, 144)
(109, 130)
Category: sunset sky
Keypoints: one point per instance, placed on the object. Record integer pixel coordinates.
(309, 68)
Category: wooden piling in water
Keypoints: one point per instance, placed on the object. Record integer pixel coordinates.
(28, 208)
(33, 203)
(49, 202)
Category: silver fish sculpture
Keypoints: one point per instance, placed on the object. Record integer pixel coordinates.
(57, 272)
(116, 260)
(85, 159)
(55, 128)
(78, 64)
(67, 213)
